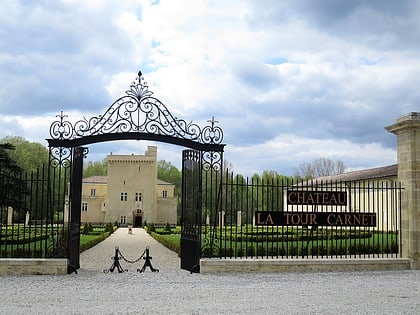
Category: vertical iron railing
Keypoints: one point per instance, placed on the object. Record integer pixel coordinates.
(236, 234)
(35, 201)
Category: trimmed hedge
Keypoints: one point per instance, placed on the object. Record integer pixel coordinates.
(171, 245)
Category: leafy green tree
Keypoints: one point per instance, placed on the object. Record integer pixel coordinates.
(12, 185)
(29, 156)
(169, 173)
(7, 164)
(96, 168)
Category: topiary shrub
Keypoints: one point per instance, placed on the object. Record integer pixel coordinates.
(109, 228)
(151, 228)
(85, 229)
(168, 228)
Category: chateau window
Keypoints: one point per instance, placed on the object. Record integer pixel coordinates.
(93, 192)
(123, 219)
(84, 206)
(138, 196)
(124, 196)
(165, 194)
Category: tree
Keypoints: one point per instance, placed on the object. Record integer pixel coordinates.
(169, 173)
(320, 167)
(96, 168)
(29, 156)
(11, 183)
(7, 164)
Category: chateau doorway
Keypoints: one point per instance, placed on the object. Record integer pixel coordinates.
(137, 218)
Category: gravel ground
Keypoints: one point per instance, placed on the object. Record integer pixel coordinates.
(176, 291)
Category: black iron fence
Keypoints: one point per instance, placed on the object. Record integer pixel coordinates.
(282, 218)
(32, 210)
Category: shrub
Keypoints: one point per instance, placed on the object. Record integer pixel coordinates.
(319, 251)
(168, 228)
(261, 251)
(293, 251)
(151, 228)
(250, 251)
(87, 228)
(109, 228)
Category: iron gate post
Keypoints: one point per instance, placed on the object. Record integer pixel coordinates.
(75, 204)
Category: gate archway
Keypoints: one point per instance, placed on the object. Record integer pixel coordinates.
(138, 115)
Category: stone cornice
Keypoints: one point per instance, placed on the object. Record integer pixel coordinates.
(405, 122)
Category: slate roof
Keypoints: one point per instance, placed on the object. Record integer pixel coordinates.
(96, 179)
(371, 173)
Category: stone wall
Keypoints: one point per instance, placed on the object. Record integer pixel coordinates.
(33, 266)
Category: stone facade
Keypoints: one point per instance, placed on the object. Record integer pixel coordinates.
(130, 194)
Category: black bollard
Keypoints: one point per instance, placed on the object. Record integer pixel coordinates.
(147, 262)
(116, 263)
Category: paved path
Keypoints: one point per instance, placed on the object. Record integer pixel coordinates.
(131, 247)
(175, 291)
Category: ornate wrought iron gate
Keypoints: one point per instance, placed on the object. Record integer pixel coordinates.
(191, 210)
(138, 115)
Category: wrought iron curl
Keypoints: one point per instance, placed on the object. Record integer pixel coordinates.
(212, 134)
(61, 129)
(212, 160)
(210, 247)
(60, 156)
(137, 111)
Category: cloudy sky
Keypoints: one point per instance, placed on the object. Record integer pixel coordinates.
(289, 81)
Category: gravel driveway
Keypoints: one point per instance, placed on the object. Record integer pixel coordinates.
(176, 291)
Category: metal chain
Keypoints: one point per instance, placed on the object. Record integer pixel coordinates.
(132, 261)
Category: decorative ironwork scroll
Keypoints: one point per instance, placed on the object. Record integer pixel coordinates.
(137, 111)
(136, 115)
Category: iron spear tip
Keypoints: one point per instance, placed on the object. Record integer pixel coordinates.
(140, 74)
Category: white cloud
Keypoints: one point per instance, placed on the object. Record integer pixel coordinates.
(289, 81)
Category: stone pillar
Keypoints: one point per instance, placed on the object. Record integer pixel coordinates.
(407, 130)
(221, 218)
(27, 217)
(9, 215)
(66, 211)
(239, 218)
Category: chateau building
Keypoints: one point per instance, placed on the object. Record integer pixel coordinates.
(130, 194)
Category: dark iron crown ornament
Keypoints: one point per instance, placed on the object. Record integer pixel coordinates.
(137, 112)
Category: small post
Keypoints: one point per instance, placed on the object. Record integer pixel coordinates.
(116, 263)
(147, 263)
(9, 215)
(27, 217)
